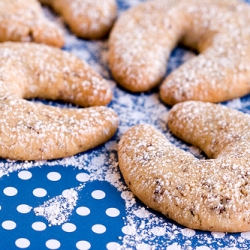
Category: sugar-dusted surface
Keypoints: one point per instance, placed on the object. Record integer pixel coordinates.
(59, 208)
(210, 195)
(144, 36)
(31, 70)
(33, 131)
(89, 19)
(222, 70)
(24, 21)
(215, 129)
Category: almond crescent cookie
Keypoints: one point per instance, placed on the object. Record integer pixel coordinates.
(144, 36)
(212, 194)
(23, 20)
(89, 19)
(30, 70)
(33, 131)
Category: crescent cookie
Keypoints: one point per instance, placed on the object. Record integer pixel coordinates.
(212, 194)
(89, 19)
(23, 20)
(33, 131)
(29, 70)
(143, 37)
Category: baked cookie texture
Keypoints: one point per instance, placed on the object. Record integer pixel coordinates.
(209, 194)
(34, 131)
(23, 21)
(90, 19)
(144, 36)
(36, 70)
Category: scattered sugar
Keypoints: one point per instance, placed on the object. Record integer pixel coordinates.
(141, 42)
(142, 213)
(8, 166)
(88, 19)
(143, 224)
(26, 19)
(174, 246)
(158, 231)
(58, 209)
(235, 104)
(36, 121)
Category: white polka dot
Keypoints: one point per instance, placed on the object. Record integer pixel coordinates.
(174, 246)
(39, 192)
(10, 191)
(158, 231)
(127, 195)
(39, 226)
(9, 225)
(53, 244)
(203, 248)
(68, 227)
(54, 176)
(83, 211)
(113, 246)
(23, 208)
(25, 175)
(67, 193)
(99, 229)
(129, 230)
(83, 245)
(188, 232)
(112, 212)
(82, 177)
(218, 235)
(98, 194)
(22, 243)
(142, 213)
(143, 246)
(245, 235)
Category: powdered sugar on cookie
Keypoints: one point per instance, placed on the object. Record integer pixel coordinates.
(32, 131)
(144, 36)
(200, 194)
(23, 20)
(86, 18)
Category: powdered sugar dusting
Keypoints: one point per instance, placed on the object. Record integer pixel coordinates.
(145, 228)
(8, 166)
(87, 19)
(48, 132)
(58, 209)
(23, 21)
(144, 36)
(148, 229)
